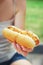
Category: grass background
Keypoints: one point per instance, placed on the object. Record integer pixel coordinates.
(34, 17)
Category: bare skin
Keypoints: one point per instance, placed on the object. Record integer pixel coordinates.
(6, 6)
(7, 11)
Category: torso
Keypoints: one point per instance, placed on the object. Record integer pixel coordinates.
(6, 9)
(6, 13)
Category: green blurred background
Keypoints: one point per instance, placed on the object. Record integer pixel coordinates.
(34, 17)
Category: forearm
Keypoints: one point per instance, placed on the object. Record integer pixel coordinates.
(20, 20)
(20, 16)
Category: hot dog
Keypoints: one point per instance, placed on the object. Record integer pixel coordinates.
(29, 33)
(25, 38)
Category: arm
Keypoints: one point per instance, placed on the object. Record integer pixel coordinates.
(20, 23)
(21, 13)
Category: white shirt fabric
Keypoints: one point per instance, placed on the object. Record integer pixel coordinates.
(6, 48)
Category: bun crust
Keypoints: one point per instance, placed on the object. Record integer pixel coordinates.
(25, 38)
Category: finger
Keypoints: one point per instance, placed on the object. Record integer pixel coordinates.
(14, 44)
(26, 49)
(18, 48)
(24, 53)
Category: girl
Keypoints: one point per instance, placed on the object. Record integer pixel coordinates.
(12, 12)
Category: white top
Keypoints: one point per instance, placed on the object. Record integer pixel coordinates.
(6, 49)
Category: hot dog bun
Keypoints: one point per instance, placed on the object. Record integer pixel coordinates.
(29, 33)
(19, 36)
